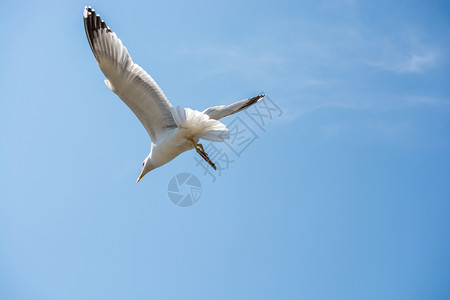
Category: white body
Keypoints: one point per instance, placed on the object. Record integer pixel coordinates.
(190, 124)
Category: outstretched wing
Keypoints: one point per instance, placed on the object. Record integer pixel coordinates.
(128, 80)
(219, 112)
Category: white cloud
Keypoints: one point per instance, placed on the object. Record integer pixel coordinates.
(403, 52)
(372, 128)
(417, 63)
(416, 100)
(249, 61)
(410, 63)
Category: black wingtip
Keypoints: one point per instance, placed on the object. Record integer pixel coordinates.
(257, 98)
(93, 22)
(87, 11)
(251, 101)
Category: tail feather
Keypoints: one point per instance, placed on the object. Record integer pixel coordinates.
(200, 124)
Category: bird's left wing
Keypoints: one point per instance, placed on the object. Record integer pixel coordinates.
(128, 80)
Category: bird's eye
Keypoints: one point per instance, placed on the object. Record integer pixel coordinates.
(142, 164)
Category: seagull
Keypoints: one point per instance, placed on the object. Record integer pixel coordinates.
(172, 130)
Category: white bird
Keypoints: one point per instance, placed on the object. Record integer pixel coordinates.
(171, 130)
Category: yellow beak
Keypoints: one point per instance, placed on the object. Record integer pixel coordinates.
(140, 176)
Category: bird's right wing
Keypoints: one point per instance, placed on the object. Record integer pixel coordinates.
(219, 112)
(128, 80)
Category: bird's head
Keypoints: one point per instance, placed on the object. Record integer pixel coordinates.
(147, 166)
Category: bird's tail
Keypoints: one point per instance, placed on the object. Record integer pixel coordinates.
(200, 124)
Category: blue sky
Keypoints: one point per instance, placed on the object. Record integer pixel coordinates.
(346, 195)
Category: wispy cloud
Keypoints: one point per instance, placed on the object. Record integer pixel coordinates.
(416, 63)
(295, 109)
(403, 52)
(385, 129)
(249, 61)
(428, 101)
(408, 63)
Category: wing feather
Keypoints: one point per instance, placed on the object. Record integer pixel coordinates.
(221, 111)
(128, 80)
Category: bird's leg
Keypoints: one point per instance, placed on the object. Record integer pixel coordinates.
(204, 155)
(201, 151)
